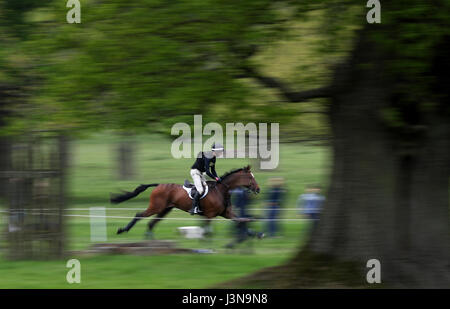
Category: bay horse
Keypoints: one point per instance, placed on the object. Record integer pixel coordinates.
(165, 197)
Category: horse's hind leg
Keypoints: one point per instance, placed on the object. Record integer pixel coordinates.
(128, 227)
(157, 205)
(153, 222)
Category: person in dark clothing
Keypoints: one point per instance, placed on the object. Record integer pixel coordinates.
(240, 201)
(205, 163)
(274, 200)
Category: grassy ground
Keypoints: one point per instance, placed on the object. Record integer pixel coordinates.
(93, 176)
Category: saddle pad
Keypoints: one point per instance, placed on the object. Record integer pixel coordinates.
(188, 190)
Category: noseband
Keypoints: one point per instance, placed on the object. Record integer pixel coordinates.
(228, 187)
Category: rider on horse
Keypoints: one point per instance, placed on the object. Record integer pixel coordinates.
(205, 163)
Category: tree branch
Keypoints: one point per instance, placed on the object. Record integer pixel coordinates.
(285, 91)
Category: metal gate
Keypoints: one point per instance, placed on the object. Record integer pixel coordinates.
(35, 191)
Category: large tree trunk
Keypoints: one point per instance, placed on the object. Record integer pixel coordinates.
(389, 195)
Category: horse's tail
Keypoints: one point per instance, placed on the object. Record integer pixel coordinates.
(119, 198)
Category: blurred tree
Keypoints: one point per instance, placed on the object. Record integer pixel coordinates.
(144, 65)
(390, 119)
(147, 64)
(13, 70)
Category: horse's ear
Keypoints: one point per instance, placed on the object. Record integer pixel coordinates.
(247, 168)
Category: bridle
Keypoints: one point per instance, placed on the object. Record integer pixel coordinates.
(249, 183)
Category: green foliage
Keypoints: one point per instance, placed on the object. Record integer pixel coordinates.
(13, 15)
(408, 41)
(143, 65)
(410, 35)
(132, 65)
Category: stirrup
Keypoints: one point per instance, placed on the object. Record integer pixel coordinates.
(196, 211)
(193, 210)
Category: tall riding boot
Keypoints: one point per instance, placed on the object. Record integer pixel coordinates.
(195, 203)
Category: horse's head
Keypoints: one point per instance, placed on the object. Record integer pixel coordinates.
(247, 179)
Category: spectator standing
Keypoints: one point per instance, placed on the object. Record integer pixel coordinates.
(275, 198)
(310, 203)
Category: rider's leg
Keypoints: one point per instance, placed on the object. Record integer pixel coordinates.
(198, 182)
(199, 194)
(195, 203)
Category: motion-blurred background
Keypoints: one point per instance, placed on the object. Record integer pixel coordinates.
(87, 108)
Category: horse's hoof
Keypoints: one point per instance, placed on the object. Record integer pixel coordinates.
(148, 235)
(120, 231)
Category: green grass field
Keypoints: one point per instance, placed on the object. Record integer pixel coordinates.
(93, 177)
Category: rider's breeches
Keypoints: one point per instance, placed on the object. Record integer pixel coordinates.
(199, 180)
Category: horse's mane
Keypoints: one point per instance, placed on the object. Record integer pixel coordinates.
(231, 172)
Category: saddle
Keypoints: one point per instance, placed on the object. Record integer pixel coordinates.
(190, 189)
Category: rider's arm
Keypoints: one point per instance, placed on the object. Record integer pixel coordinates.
(213, 171)
(210, 169)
